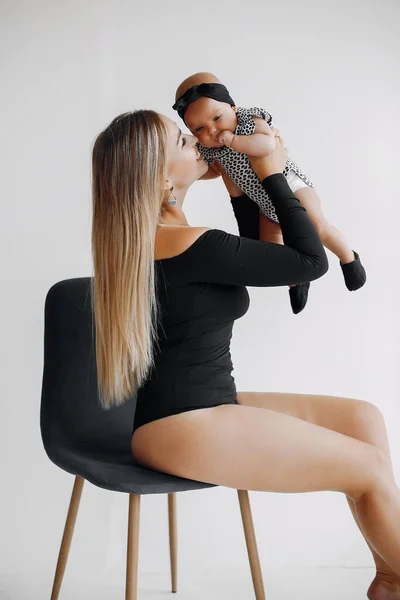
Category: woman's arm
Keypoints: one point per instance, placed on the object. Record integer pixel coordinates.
(218, 257)
(215, 256)
(247, 215)
(246, 211)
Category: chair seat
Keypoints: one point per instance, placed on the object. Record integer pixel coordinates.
(113, 468)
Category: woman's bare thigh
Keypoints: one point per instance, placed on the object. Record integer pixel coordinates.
(246, 447)
(352, 417)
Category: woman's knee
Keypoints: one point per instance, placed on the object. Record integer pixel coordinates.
(369, 424)
(381, 478)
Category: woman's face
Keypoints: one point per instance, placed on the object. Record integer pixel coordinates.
(184, 162)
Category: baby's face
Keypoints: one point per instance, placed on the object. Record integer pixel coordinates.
(206, 118)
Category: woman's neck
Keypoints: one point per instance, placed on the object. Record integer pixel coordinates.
(174, 217)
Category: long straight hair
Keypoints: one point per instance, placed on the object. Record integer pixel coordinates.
(128, 175)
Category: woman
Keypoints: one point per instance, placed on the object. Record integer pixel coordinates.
(165, 298)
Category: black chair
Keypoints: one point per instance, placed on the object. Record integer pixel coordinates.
(94, 444)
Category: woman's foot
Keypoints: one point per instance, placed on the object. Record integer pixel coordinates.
(299, 296)
(383, 588)
(354, 273)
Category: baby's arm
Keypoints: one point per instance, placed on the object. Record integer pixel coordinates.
(260, 143)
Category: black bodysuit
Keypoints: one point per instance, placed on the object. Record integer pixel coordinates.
(203, 290)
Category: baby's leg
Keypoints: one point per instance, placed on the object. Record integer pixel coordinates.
(353, 271)
(270, 231)
(331, 237)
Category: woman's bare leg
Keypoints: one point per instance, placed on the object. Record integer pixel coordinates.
(358, 419)
(244, 447)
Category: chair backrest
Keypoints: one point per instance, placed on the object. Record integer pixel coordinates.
(71, 414)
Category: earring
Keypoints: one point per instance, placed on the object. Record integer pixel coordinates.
(172, 198)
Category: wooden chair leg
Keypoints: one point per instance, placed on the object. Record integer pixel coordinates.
(67, 537)
(251, 544)
(172, 538)
(133, 548)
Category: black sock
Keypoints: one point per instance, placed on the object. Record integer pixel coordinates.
(354, 273)
(299, 296)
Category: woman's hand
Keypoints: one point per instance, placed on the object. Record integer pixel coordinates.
(264, 166)
(233, 189)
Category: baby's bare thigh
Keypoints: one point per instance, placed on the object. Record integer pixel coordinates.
(312, 203)
(253, 448)
(270, 231)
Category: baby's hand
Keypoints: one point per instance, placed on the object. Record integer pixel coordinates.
(226, 137)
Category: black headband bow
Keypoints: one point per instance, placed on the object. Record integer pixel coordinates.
(217, 91)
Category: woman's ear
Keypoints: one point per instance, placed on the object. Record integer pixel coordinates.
(234, 108)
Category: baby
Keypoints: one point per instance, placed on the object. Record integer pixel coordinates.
(227, 135)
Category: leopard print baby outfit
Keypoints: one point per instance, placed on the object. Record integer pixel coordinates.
(237, 165)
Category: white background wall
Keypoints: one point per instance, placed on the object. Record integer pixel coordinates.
(328, 72)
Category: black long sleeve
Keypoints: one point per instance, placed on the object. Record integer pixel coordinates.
(219, 257)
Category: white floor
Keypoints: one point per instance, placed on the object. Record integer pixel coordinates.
(280, 584)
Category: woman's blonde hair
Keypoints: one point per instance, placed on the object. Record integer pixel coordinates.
(128, 173)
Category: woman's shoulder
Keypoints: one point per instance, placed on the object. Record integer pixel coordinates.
(172, 241)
